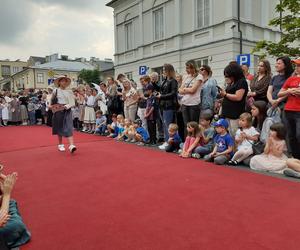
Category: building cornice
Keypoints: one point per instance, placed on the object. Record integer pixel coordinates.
(109, 4)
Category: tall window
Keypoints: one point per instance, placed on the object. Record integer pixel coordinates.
(129, 75)
(203, 13)
(201, 61)
(158, 24)
(128, 36)
(5, 70)
(40, 78)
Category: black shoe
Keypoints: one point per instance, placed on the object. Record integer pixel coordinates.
(233, 163)
(161, 140)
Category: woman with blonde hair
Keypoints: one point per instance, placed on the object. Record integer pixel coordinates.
(190, 91)
(130, 98)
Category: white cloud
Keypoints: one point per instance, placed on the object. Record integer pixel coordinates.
(59, 26)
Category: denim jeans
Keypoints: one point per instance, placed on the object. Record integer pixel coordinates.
(168, 117)
(101, 129)
(32, 119)
(292, 121)
(203, 150)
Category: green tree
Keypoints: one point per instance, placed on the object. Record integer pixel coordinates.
(90, 76)
(289, 21)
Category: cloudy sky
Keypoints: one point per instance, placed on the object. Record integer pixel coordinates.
(77, 28)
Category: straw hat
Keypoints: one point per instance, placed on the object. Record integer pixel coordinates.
(59, 78)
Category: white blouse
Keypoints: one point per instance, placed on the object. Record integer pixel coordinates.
(191, 99)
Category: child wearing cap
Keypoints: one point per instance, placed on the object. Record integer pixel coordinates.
(224, 144)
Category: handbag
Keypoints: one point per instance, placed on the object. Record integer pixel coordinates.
(54, 99)
(258, 147)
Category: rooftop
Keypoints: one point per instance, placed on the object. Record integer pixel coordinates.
(65, 65)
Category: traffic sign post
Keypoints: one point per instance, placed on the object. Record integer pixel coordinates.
(244, 59)
(143, 70)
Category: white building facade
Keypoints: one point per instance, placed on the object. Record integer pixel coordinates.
(153, 32)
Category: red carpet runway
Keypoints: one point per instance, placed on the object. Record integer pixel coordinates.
(115, 196)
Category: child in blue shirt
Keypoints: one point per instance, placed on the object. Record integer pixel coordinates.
(174, 138)
(224, 143)
(100, 123)
(141, 135)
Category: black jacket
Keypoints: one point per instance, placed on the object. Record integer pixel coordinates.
(168, 91)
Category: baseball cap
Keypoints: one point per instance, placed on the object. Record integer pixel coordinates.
(221, 123)
(296, 61)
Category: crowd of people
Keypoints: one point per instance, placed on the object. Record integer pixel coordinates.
(252, 120)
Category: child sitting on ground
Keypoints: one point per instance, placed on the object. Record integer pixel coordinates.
(139, 134)
(100, 123)
(208, 136)
(245, 136)
(119, 129)
(192, 140)
(224, 144)
(112, 127)
(174, 138)
(273, 159)
(123, 133)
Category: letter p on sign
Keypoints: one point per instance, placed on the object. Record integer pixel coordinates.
(243, 59)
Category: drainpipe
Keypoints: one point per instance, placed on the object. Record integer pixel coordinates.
(239, 26)
(34, 83)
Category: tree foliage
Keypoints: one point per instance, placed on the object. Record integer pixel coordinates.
(90, 76)
(290, 27)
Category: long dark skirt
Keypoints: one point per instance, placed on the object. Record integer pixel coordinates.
(62, 123)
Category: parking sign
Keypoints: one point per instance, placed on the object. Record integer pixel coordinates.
(243, 59)
(142, 70)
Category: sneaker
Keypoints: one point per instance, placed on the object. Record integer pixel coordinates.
(196, 156)
(61, 148)
(140, 144)
(72, 148)
(163, 146)
(291, 173)
(133, 141)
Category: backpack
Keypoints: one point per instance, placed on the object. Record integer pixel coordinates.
(273, 116)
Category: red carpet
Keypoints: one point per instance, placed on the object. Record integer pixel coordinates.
(112, 195)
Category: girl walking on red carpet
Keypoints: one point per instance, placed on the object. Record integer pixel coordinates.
(61, 103)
